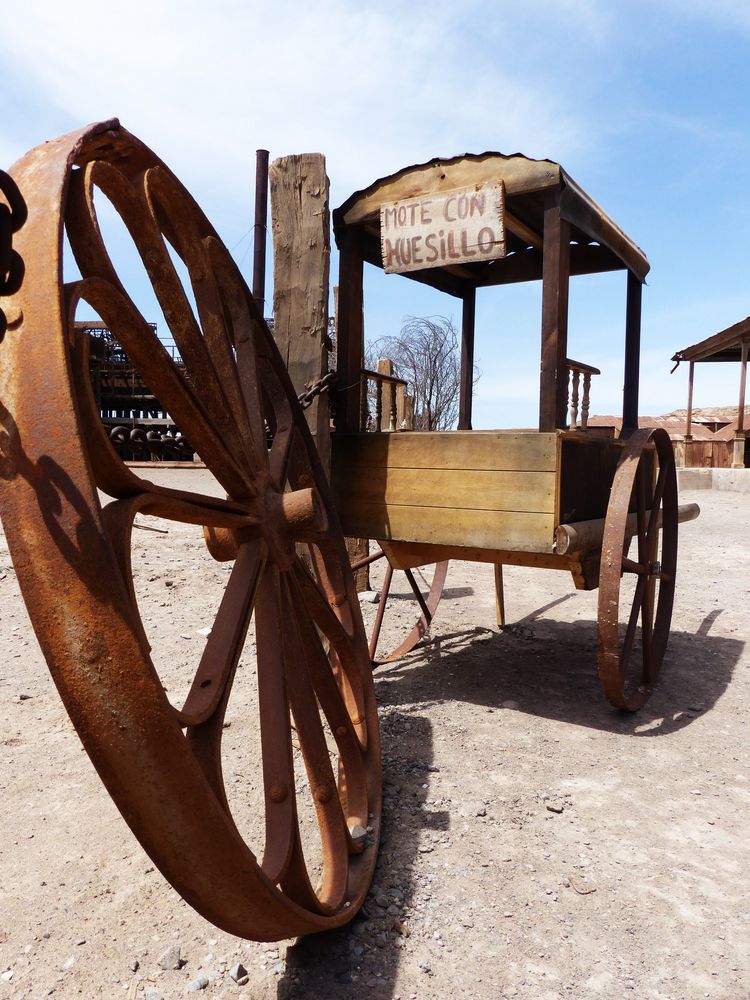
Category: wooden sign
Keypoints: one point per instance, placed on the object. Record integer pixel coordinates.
(435, 230)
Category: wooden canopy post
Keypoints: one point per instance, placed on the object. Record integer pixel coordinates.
(738, 457)
(689, 421)
(467, 360)
(553, 387)
(350, 335)
(302, 251)
(632, 355)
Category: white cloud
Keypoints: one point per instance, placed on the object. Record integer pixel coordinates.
(374, 88)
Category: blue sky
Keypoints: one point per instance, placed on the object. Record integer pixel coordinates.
(644, 103)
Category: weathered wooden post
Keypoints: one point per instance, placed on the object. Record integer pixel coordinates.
(301, 253)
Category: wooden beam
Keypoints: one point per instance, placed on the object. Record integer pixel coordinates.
(523, 231)
(350, 336)
(553, 373)
(302, 252)
(467, 361)
(632, 354)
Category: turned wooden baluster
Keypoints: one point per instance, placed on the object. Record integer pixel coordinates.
(575, 378)
(378, 405)
(585, 402)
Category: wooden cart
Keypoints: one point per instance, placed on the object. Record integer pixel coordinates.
(69, 502)
(558, 497)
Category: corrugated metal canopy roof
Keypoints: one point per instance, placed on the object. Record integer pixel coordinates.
(597, 242)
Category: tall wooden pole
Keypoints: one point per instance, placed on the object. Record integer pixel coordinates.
(553, 379)
(632, 355)
(260, 228)
(467, 360)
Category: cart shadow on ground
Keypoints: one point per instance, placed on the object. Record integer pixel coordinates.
(537, 666)
(547, 668)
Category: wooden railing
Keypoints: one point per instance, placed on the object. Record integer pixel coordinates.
(575, 370)
(385, 393)
(379, 380)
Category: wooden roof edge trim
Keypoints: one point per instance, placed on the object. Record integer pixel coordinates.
(542, 175)
(731, 337)
(582, 211)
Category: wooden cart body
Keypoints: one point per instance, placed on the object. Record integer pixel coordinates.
(496, 496)
(487, 496)
(557, 497)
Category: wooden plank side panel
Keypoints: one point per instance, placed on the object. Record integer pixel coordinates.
(505, 451)
(470, 489)
(516, 530)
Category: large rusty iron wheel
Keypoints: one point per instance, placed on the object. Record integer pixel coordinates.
(420, 596)
(634, 623)
(161, 764)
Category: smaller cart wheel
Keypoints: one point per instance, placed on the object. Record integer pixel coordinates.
(421, 596)
(643, 505)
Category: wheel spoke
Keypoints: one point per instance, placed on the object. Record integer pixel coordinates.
(149, 355)
(426, 613)
(343, 656)
(306, 713)
(227, 638)
(243, 334)
(275, 732)
(352, 778)
(635, 610)
(384, 592)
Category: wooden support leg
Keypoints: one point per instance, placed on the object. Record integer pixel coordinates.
(499, 595)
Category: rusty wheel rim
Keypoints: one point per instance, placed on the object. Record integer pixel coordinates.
(163, 765)
(630, 656)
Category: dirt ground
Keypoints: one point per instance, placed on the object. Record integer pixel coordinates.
(536, 843)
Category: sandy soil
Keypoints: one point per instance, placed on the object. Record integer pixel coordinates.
(636, 885)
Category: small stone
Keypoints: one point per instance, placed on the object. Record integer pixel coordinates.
(24, 697)
(357, 833)
(80, 941)
(203, 631)
(197, 984)
(243, 980)
(69, 963)
(509, 704)
(170, 959)
(169, 583)
(551, 807)
(369, 596)
(154, 995)
(7, 975)
(480, 811)
(237, 971)
(134, 965)
(381, 900)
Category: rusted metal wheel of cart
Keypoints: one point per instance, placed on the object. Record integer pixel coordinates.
(422, 596)
(163, 765)
(634, 622)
